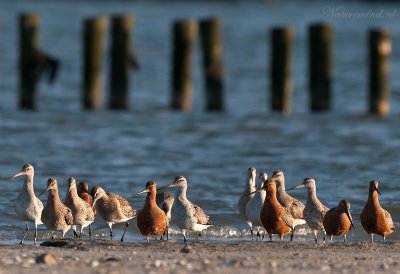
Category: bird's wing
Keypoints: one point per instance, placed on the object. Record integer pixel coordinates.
(388, 218)
(160, 197)
(69, 219)
(202, 218)
(323, 209)
(297, 203)
(287, 217)
(126, 208)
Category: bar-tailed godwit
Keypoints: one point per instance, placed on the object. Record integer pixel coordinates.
(314, 210)
(275, 218)
(83, 192)
(165, 201)
(55, 215)
(27, 206)
(185, 214)
(151, 220)
(338, 221)
(295, 206)
(81, 211)
(247, 194)
(253, 207)
(113, 208)
(375, 219)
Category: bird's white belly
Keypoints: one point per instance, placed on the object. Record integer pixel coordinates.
(253, 210)
(181, 217)
(28, 209)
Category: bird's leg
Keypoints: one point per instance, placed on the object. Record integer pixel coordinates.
(315, 236)
(263, 235)
(197, 238)
(80, 235)
(372, 237)
(35, 235)
(291, 236)
(252, 233)
(270, 237)
(184, 236)
(123, 234)
(167, 232)
(26, 232)
(147, 239)
(111, 234)
(344, 238)
(90, 233)
(324, 237)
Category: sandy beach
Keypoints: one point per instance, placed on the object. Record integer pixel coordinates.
(103, 256)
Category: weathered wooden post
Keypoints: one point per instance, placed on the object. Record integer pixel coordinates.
(28, 61)
(184, 34)
(211, 37)
(320, 66)
(281, 85)
(121, 28)
(379, 51)
(93, 39)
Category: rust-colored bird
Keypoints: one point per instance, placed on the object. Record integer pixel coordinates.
(275, 218)
(338, 221)
(83, 192)
(151, 220)
(374, 219)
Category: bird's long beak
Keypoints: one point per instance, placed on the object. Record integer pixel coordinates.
(160, 190)
(18, 174)
(258, 190)
(378, 191)
(144, 191)
(299, 186)
(44, 190)
(349, 216)
(94, 202)
(347, 212)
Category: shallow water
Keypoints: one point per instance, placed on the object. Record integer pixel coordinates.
(342, 149)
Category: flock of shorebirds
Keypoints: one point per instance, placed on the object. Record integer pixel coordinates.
(278, 213)
(80, 207)
(269, 207)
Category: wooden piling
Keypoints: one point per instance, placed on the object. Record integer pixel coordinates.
(28, 60)
(320, 66)
(121, 28)
(93, 45)
(281, 85)
(379, 52)
(211, 37)
(184, 34)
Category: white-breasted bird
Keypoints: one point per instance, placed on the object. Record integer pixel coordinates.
(27, 206)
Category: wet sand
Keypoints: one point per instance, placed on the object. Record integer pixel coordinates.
(102, 256)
